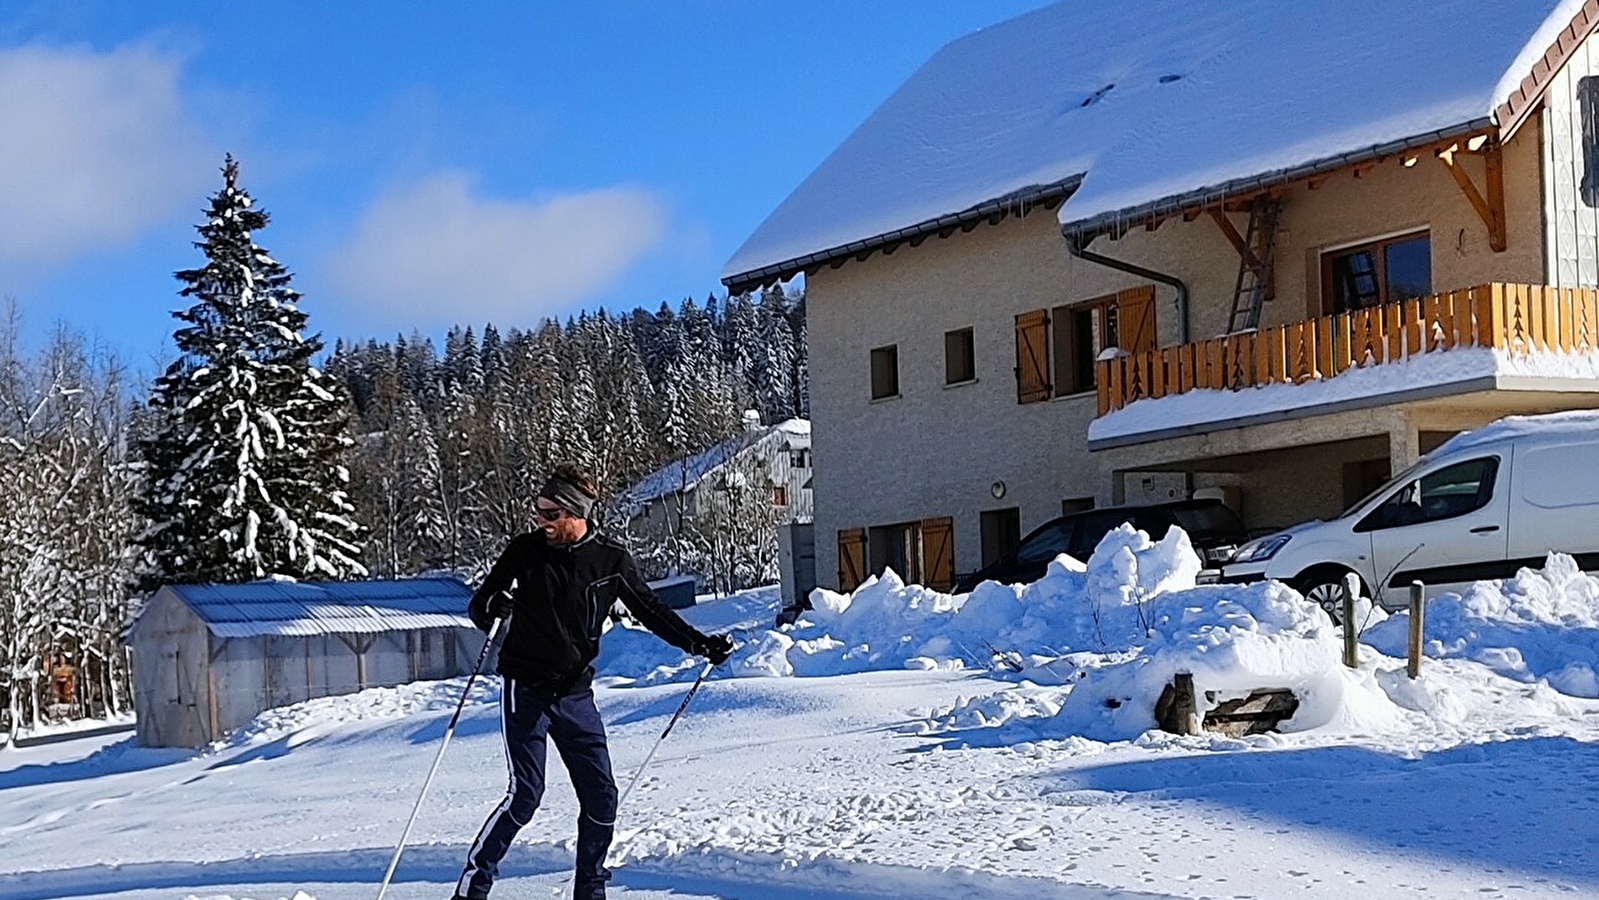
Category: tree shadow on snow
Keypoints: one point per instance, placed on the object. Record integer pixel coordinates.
(1526, 805)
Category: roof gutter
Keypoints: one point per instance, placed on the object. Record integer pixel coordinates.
(1018, 202)
(1118, 221)
(1077, 246)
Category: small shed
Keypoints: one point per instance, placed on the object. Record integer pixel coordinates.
(208, 658)
(676, 591)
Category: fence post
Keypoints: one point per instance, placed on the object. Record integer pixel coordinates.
(1351, 630)
(1417, 625)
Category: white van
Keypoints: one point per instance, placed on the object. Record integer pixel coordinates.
(1484, 504)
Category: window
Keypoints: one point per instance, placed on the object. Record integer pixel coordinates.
(799, 458)
(1384, 271)
(1057, 349)
(1082, 332)
(1449, 492)
(885, 372)
(960, 364)
(779, 495)
(1588, 106)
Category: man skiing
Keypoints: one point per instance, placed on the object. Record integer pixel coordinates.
(555, 587)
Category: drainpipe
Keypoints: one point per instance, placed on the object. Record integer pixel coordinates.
(1078, 247)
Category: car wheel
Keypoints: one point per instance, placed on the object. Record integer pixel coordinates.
(1325, 588)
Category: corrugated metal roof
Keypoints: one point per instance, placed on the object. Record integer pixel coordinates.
(328, 607)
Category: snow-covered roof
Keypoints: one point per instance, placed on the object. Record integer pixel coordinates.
(685, 474)
(334, 607)
(1144, 101)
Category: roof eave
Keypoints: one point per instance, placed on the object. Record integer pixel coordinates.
(1118, 221)
(1019, 202)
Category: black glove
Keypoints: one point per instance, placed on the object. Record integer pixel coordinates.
(501, 605)
(714, 647)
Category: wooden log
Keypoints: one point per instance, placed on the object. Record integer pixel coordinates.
(1260, 712)
(1177, 711)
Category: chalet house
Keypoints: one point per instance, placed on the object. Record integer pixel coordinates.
(767, 464)
(1137, 249)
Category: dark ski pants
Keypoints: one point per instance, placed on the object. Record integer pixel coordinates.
(527, 717)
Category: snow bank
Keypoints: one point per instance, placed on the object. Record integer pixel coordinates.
(1116, 629)
(1543, 624)
(311, 718)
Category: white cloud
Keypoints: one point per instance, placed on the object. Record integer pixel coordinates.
(435, 251)
(95, 148)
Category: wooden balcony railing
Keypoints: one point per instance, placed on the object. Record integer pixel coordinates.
(1520, 318)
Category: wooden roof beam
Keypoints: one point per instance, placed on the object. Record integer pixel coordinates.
(1230, 232)
(1491, 209)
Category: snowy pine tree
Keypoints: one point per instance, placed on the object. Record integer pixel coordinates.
(244, 474)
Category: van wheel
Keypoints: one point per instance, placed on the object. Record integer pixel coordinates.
(1324, 586)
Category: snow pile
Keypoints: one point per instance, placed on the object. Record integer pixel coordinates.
(1233, 641)
(1117, 629)
(887, 623)
(1541, 624)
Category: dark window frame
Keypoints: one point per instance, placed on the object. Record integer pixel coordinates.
(1070, 372)
(1378, 249)
(1588, 110)
(885, 375)
(960, 356)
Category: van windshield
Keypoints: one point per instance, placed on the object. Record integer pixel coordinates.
(1407, 475)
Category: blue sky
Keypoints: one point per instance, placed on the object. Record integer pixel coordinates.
(425, 166)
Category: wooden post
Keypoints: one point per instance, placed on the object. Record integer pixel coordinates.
(1351, 591)
(1417, 625)
(1177, 709)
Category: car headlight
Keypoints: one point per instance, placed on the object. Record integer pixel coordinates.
(1261, 550)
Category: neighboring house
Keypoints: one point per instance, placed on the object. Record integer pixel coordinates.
(770, 462)
(1126, 251)
(208, 658)
(721, 514)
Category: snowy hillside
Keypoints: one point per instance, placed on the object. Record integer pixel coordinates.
(899, 742)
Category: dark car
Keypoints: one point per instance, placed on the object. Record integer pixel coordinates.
(1213, 528)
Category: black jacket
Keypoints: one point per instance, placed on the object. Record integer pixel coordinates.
(562, 596)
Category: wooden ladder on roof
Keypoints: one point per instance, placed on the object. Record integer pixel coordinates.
(1254, 265)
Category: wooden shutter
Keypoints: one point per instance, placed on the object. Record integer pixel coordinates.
(1032, 356)
(938, 553)
(1135, 319)
(851, 558)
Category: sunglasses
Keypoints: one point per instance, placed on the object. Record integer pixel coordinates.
(549, 513)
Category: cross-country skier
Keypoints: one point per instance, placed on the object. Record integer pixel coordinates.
(566, 576)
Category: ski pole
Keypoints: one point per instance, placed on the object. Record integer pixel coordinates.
(668, 730)
(449, 730)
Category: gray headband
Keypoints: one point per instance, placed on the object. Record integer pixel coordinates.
(567, 496)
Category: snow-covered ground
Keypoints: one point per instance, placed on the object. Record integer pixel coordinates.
(899, 742)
